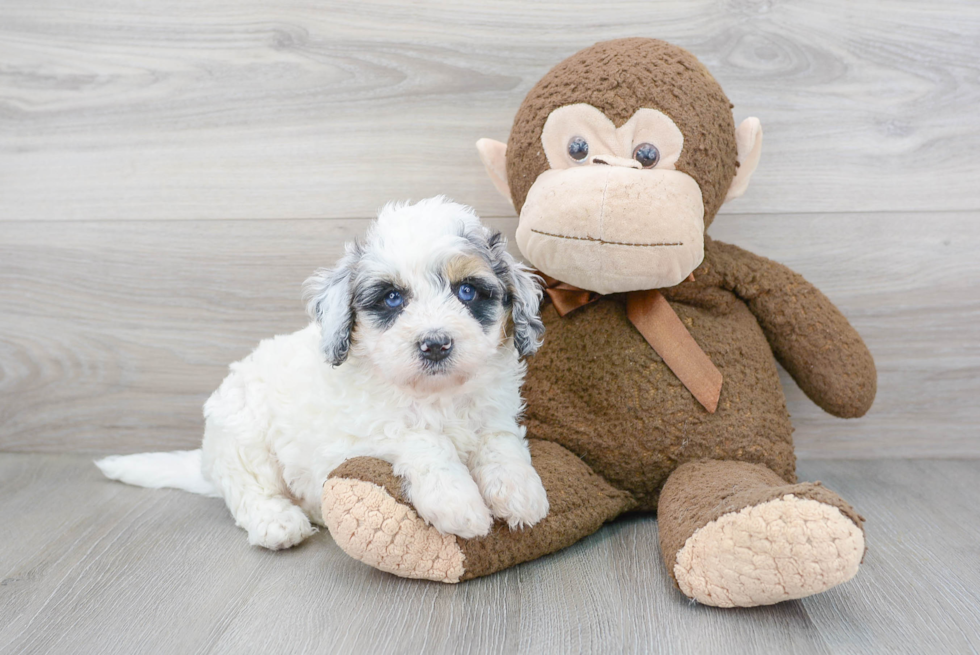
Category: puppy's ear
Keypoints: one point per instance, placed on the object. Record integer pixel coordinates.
(330, 304)
(523, 295)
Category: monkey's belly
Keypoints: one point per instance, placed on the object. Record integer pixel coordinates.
(597, 388)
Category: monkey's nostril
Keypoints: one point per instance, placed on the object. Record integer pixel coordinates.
(612, 160)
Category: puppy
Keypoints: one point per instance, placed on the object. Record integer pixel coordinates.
(413, 356)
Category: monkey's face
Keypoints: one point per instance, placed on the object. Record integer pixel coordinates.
(618, 160)
(612, 213)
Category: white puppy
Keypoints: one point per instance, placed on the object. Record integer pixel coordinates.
(414, 357)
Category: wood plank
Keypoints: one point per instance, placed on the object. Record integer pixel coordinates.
(124, 570)
(114, 333)
(255, 109)
(159, 558)
(920, 576)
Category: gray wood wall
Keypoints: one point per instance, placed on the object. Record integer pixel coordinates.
(170, 172)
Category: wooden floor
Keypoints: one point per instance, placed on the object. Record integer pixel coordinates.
(92, 566)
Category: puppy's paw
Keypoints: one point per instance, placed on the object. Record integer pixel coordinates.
(452, 505)
(514, 492)
(277, 527)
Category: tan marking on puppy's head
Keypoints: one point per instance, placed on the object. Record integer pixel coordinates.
(464, 267)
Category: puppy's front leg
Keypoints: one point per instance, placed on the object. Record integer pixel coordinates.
(440, 486)
(501, 466)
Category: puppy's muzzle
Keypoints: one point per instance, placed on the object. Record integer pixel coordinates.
(435, 347)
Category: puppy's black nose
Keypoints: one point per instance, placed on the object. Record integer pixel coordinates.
(436, 347)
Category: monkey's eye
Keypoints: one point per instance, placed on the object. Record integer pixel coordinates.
(393, 299)
(647, 154)
(578, 148)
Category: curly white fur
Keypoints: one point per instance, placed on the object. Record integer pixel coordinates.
(353, 383)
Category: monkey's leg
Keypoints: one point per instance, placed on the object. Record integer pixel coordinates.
(372, 521)
(734, 534)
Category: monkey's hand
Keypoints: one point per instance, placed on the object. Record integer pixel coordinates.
(808, 334)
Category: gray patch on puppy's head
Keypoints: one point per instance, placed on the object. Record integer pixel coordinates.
(523, 295)
(329, 294)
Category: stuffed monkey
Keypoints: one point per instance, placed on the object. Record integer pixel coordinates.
(656, 388)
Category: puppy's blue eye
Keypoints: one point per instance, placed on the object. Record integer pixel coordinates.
(393, 299)
(466, 292)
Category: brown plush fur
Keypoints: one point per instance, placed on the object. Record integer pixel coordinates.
(597, 388)
(808, 334)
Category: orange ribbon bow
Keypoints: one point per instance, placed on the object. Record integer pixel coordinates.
(656, 320)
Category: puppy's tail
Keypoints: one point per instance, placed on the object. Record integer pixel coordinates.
(180, 469)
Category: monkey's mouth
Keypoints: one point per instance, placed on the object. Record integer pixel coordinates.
(608, 243)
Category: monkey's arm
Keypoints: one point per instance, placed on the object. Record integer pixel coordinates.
(808, 334)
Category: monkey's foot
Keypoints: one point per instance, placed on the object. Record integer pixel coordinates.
(372, 521)
(785, 548)
(735, 534)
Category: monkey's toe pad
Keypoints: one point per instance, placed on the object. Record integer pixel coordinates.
(779, 550)
(371, 526)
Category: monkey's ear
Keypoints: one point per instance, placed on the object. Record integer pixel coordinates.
(748, 140)
(494, 157)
